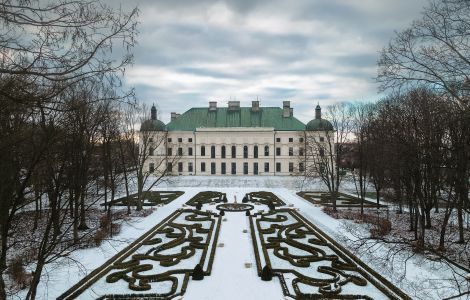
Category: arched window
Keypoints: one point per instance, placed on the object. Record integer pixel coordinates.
(266, 150)
(255, 152)
(212, 151)
(234, 151)
(223, 152)
(245, 151)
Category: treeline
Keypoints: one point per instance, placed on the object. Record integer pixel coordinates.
(417, 145)
(416, 141)
(66, 123)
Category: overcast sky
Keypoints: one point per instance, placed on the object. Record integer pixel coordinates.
(307, 51)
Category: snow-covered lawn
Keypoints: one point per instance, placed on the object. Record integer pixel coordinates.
(230, 277)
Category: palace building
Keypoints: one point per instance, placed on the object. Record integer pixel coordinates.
(230, 140)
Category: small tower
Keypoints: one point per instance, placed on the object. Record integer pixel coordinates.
(318, 112)
(153, 112)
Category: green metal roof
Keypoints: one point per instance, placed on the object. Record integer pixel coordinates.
(201, 117)
(319, 125)
(152, 125)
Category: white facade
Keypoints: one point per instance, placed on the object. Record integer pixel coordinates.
(231, 151)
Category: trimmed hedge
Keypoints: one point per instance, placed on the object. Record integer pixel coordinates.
(153, 198)
(128, 266)
(342, 267)
(206, 197)
(266, 198)
(342, 200)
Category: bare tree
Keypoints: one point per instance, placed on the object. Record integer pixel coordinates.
(433, 51)
(323, 148)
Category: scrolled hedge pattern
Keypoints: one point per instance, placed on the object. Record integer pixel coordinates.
(152, 198)
(134, 267)
(342, 200)
(207, 197)
(234, 207)
(286, 235)
(266, 198)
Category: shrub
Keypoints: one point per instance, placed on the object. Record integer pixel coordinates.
(18, 273)
(105, 221)
(99, 236)
(266, 273)
(381, 228)
(198, 273)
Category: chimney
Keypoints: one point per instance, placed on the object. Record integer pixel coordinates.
(254, 106)
(173, 116)
(286, 110)
(212, 105)
(233, 105)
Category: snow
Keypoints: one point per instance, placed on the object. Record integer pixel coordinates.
(230, 279)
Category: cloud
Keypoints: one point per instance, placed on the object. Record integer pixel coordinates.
(305, 51)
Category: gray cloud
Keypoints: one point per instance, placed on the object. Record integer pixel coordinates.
(305, 51)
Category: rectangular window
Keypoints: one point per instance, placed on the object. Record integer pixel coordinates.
(245, 168)
(234, 151)
(278, 151)
(203, 167)
(255, 168)
(278, 167)
(180, 151)
(169, 140)
(291, 151)
(322, 152)
(190, 167)
(245, 151)
(151, 167)
(150, 140)
(190, 151)
(301, 139)
(322, 139)
(234, 168)
(169, 167)
(255, 152)
(203, 151)
(180, 140)
(223, 168)
(266, 150)
(213, 168)
(190, 140)
(212, 151)
(151, 151)
(291, 167)
(180, 167)
(169, 152)
(222, 152)
(266, 167)
(291, 140)
(278, 140)
(301, 167)
(301, 151)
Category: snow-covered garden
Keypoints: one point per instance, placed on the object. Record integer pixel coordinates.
(234, 247)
